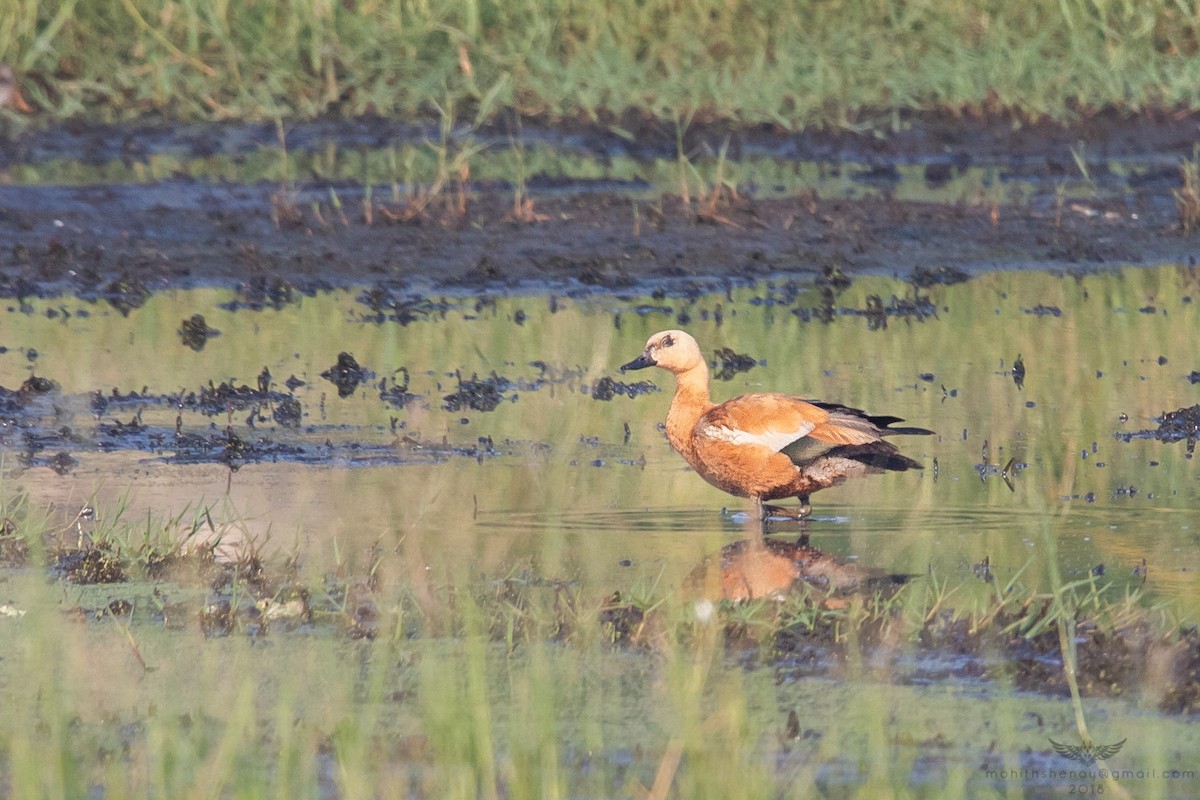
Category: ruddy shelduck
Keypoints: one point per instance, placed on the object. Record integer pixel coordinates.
(767, 446)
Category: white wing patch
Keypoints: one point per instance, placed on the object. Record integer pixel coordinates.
(776, 440)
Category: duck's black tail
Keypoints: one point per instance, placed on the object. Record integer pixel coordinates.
(881, 456)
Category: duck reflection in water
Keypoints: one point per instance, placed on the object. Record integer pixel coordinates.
(758, 568)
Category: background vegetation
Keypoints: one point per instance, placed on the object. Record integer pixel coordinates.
(822, 62)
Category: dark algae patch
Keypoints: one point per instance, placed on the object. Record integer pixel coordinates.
(478, 394)
(727, 363)
(346, 375)
(195, 332)
(607, 388)
(395, 392)
(235, 423)
(1180, 425)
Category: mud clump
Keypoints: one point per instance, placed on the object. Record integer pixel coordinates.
(1018, 372)
(11, 401)
(35, 385)
(223, 398)
(606, 388)
(622, 620)
(924, 277)
(211, 400)
(15, 401)
(360, 615)
(35, 442)
(229, 449)
(62, 463)
(477, 394)
(389, 305)
(14, 550)
(917, 307)
(346, 374)
(729, 363)
(218, 619)
(97, 564)
(287, 412)
(1182, 424)
(1182, 695)
(126, 294)
(195, 332)
(264, 292)
(396, 392)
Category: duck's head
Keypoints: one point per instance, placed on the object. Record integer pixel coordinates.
(672, 350)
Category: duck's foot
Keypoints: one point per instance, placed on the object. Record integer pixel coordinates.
(805, 506)
(790, 513)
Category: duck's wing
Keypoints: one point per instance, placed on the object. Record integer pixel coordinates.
(777, 422)
(856, 435)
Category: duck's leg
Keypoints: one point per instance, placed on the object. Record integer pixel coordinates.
(805, 506)
(759, 512)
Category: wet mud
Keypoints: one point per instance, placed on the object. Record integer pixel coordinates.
(119, 242)
(1180, 425)
(806, 632)
(234, 423)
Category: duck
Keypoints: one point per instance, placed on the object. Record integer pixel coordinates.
(10, 93)
(768, 446)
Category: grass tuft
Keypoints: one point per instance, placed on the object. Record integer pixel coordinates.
(1187, 197)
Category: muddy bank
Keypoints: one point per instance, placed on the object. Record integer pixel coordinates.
(116, 239)
(111, 240)
(922, 138)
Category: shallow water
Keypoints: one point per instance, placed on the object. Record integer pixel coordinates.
(1104, 356)
(566, 166)
(553, 484)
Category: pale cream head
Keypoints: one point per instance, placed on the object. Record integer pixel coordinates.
(672, 350)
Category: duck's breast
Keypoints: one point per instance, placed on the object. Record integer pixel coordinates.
(737, 444)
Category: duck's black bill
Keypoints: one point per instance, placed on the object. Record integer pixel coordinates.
(641, 362)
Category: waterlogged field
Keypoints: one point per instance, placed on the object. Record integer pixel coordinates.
(458, 566)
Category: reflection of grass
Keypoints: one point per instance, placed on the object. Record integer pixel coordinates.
(843, 61)
(511, 686)
(1187, 197)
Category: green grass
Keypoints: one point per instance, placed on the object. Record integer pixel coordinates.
(505, 687)
(837, 62)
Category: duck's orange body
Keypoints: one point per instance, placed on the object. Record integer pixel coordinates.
(767, 446)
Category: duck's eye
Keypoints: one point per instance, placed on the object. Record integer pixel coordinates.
(666, 341)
